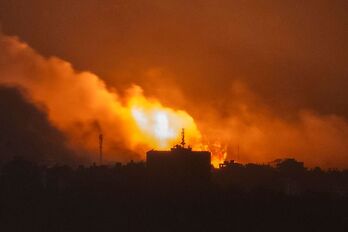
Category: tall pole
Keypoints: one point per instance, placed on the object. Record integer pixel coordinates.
(183, 137)
(101, 149)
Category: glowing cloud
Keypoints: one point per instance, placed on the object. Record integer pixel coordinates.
(80, 105)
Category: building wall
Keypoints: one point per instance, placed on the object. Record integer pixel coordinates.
(179, 166)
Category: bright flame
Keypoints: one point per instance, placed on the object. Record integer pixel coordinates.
(156, 124)
(159, 126)
(219, 153)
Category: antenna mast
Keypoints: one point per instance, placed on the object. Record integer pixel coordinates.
(183, 137)
(100, 149)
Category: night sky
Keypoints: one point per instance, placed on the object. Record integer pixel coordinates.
(267, 78)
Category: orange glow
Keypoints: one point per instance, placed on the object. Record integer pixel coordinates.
(219, 154)
(159, 127)
(81, 106)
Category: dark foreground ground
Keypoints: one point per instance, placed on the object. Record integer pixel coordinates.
(124, 198)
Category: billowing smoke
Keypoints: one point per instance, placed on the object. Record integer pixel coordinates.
(256, 133)
(82, 106)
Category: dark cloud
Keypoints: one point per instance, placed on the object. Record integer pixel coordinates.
(25, 132)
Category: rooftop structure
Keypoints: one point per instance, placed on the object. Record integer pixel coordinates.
(180, 164)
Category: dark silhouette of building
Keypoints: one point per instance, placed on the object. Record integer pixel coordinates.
(181, 165)
(120, 197)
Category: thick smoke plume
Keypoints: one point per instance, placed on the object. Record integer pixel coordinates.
(256, 133)
(81, 106)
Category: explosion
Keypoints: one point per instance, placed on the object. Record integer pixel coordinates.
(81, 106)
(158, 126)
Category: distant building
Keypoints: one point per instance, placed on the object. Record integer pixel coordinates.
(180, 165)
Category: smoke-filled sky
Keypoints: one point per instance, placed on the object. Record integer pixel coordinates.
(269, 77)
